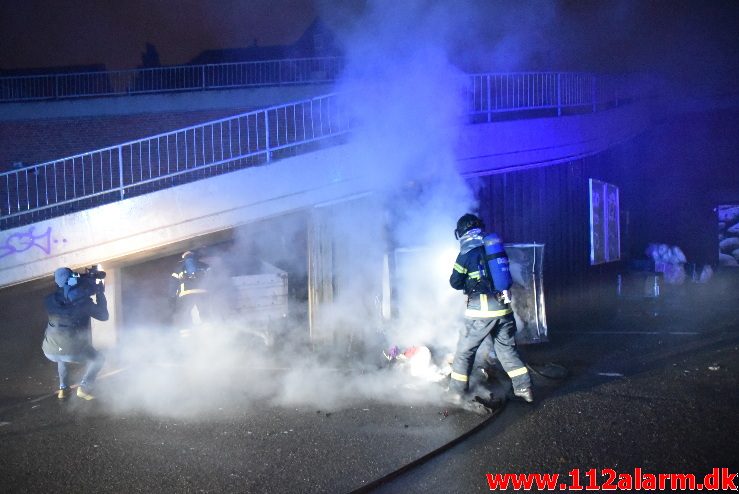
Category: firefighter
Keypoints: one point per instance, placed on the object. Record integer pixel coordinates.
(188, 292)
(488, 312)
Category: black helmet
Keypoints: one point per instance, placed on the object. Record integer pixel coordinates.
(466, 223)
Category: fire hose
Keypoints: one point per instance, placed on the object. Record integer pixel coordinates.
(423, 459)
(548, 371)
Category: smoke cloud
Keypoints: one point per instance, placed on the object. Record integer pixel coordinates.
(378, 265)
(372, 272)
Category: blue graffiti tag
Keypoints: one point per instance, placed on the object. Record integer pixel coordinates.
(21, 242)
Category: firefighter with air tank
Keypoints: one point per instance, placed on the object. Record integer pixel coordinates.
(481, 272)
(189, 293)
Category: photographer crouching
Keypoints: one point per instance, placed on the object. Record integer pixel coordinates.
(68, 336)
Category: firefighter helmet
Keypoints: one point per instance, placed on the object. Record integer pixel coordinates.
(466, 223)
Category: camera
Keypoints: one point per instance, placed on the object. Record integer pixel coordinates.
(93, 273)
(90, 281)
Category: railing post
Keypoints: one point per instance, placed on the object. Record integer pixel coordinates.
(490, 103)
(559, 94)
(202, 74)
(593, 93)
(266, 135)
(120, 171)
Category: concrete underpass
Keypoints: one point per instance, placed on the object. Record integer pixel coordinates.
(319, 411)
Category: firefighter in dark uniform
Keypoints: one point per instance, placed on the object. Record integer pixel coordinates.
(488, 313)
(189, 293)
(68, 335)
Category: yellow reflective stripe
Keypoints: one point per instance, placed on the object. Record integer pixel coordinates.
(475, 275)
(460, 377)
(518, 372)
(484, 303)
(194, 290)
(487, 313)
(459, 268)
(176, 276)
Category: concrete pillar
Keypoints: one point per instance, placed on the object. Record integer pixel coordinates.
(320, 271)
(105, 333)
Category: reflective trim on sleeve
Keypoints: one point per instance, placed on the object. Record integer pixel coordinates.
(189, 292)
(518, 372)
(176, 276)
(459, 268)
(460, 377)
(475, 275)
(479, 314)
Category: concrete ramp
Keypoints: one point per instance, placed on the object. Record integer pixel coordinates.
(159, 221)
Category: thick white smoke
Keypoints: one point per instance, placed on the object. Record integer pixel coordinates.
(407, 98)
(389, 255)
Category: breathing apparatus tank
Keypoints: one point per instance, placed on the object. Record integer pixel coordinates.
(190, 264)
(497, 262)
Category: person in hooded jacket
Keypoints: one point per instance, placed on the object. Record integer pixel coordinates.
(488, 314)
(68, 335)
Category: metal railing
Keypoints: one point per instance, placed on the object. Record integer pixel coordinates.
(111, 174)
(491, 94)
(133, 168)
(170, 79)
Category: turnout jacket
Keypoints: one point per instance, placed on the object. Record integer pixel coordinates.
(68, 330)
(470, 274)
(183, 283)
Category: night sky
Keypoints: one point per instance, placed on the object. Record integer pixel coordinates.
(49, 33)
(689, 39)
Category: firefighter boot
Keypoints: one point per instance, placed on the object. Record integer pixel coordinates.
(467, 402)
(524, 393)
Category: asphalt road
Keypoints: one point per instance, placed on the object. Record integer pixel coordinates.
(652, 392)
(655, 393)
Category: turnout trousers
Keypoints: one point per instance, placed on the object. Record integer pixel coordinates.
(502, 330)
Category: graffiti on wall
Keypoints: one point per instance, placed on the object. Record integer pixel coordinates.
(19, 242)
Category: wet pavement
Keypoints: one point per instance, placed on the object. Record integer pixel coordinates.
(78, 446)
(652, 392)
(656, 393)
